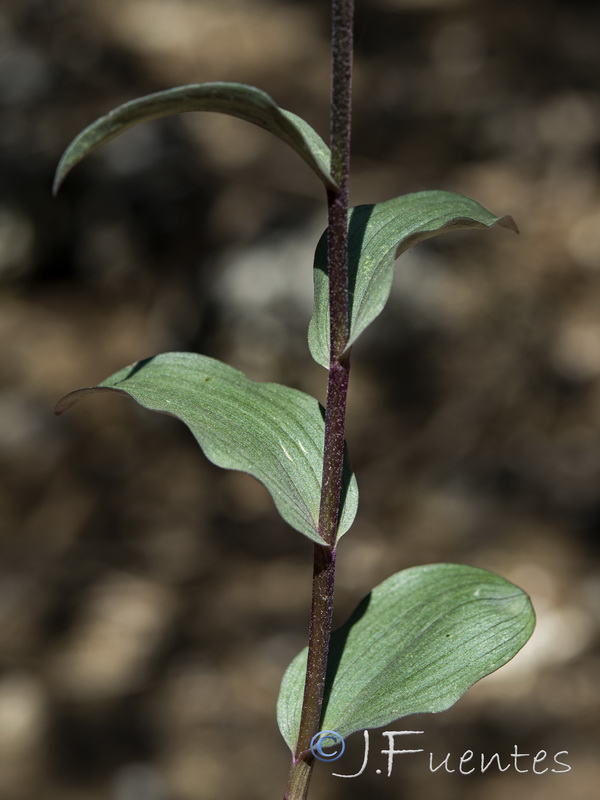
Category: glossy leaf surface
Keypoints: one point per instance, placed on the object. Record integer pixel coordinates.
(378, 234)
(414, 645)
(235, 99)
(270, 431)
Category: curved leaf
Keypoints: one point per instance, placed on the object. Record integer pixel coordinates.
(414, 645)
(378, 234)
(270, 431)
(235, 99)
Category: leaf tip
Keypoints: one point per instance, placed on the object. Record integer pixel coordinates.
(69, 399)
(508, 223)
(74, 397)
(56, 184)
(65, 165)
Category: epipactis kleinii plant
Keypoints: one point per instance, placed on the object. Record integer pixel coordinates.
(418, 641)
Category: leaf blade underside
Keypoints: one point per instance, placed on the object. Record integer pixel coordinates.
(377, 235)
(414, 645)
(273, 432)
(235, 99)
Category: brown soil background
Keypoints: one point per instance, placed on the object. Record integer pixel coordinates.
(149, 602)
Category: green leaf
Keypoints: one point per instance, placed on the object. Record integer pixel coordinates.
(270, 431)
(378, 234)
(414, 645)
(235, 99)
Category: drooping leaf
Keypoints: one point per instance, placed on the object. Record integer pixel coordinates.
(235, 99)
(378, 234)
(414, 645)
(270, 431)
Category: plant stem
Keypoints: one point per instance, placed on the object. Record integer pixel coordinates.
(337, 389)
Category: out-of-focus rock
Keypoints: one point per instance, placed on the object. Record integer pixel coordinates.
(118, 632)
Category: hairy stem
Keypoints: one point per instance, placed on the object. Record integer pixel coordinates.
(337, 389)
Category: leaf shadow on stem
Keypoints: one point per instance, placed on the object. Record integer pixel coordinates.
(347, 473)
(338, 645)
(358, 220)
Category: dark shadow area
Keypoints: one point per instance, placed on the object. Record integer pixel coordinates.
(338, 645)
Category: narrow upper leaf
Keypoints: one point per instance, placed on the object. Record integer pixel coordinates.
(270, 431)
(235, 99)
(414, 645)
(378, 234)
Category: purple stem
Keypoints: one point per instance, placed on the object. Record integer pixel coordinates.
(337, 389)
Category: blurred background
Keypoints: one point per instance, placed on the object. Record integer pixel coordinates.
(149, 603)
